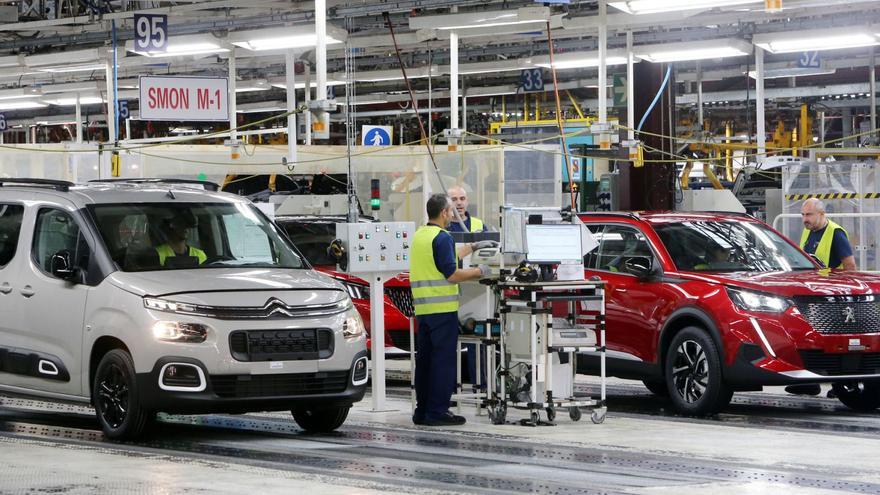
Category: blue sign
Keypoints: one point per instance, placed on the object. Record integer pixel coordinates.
(124, 113)
(531, 80)
(561, 2)
(150, 32)
(809, 60)
(2, 122)
(376, 135)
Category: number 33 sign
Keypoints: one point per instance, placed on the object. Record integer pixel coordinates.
(150, 33)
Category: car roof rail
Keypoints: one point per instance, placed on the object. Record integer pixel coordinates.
(733, 213)
(208, 185)
(58, 185)
(628, 214)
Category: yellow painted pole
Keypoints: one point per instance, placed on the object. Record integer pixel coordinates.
(728, 163)
(503, 108)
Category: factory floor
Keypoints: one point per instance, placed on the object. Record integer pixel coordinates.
(765, 442)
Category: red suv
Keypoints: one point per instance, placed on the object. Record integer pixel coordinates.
(700, 305)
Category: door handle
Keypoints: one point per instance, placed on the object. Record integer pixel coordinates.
(27, 291)
(619, 289)
(5, 288)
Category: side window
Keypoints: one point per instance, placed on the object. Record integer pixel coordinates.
(55, 231)
(617, 244)
(10, 226)
(591, 259)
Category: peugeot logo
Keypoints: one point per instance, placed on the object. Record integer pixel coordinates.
(849, 315)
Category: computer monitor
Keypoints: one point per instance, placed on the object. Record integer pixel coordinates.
(553, 243)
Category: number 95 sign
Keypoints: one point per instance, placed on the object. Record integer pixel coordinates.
(150, 33)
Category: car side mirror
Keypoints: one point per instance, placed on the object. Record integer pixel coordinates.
(640, 266)
(62, 265)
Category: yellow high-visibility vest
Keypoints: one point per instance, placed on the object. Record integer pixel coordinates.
(823, 250)
(165, 251)
(432, 293)
(476, 224)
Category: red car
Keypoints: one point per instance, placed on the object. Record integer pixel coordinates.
(312, 234)
(701, 305)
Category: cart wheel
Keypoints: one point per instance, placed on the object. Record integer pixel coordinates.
(535, 417)
(498, 414)
(551, 414)
(598, 415)
(574, 413)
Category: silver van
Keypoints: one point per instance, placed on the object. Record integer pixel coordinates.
(153, 295)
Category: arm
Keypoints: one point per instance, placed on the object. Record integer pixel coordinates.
(464, 275)
(841, 247)
(465, 249)
(849, 263)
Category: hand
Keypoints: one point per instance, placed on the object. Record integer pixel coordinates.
(484, 244)
(485, 271)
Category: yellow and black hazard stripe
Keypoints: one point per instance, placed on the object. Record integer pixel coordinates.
(798, 197)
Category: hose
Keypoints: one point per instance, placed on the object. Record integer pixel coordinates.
(656, 98)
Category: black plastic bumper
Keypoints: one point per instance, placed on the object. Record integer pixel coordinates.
(154, 398)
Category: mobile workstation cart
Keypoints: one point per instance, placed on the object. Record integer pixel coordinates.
(538, 351)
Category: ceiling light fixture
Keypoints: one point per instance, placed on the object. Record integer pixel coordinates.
(302, 36)
(21, 104)
(693, 50)
(638, 7)
(69, 101)
(477, 20)
(73, 68)
(252, 85)
(815, 40)
(19, 93)
(580, 60)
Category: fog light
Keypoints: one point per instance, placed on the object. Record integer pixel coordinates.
(182, 377)
(359, 376)
(175, 331)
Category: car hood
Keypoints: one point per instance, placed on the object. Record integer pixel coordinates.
(399, 280)
(234, 286)
(797, 283)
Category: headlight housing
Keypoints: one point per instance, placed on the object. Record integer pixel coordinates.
(356, 291)
(169, 306)
(756, 301)
(353, 327)
(175, 331)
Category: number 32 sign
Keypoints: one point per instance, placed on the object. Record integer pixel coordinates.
(150, 32)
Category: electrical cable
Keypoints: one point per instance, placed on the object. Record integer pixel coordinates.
(415, 107)
(656, 98)
(568, 167)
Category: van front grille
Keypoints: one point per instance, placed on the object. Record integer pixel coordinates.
(283, 385)
(281, 345)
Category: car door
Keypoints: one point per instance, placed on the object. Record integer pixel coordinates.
(631, 305)
(52, 308)
(11, 215)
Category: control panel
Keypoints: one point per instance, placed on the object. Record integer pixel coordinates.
(376, 247)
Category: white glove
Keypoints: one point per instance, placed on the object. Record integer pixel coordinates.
(485, 271)
(484, 244)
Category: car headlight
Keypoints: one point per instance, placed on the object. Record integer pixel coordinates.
(356, 291)
(756, 301)
(169, 306)
(175, 331)
(354, 326)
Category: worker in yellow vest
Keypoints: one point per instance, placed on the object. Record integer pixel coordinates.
(434, 276)
(176, 231)
(459, 198)
(824, 238)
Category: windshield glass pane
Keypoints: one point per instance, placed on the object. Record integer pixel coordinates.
(168, 236)
(729, 246)
(311, 239)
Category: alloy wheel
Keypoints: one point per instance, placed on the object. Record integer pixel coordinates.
(690, 373)
(113, 396)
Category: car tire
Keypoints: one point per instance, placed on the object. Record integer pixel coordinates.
(859, 396)
(693, 373)
(656, 387)
(116, 398)
(320, 420)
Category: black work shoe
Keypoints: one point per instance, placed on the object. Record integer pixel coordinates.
(448, 420)
(418, 420)
(804, 389)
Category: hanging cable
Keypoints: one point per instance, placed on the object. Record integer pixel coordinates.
(656, 98)
(415, 107)
(568, 166)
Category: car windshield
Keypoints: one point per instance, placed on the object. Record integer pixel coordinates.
(726, 246)
(167, 236)
(311, 239)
